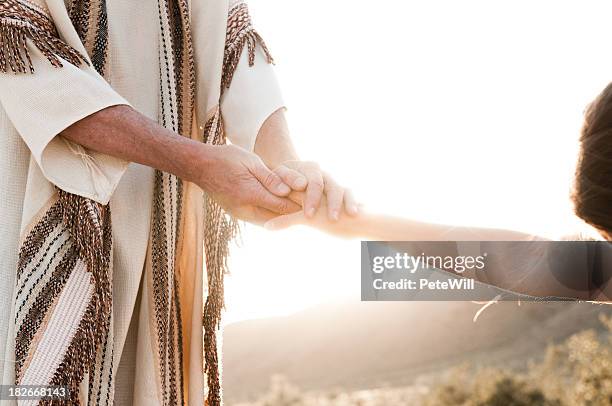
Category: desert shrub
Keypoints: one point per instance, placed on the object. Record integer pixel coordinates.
(577, 371)
(510, 392)
(488, 387)
(282, 393)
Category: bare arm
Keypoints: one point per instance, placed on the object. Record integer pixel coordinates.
(122, 132)
(238, 179)
(523, 274)
(382, 227)
(273, 143)
(389, 228)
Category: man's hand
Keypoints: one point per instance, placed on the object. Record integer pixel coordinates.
(236, 178)
(244, 186)
(308, 177)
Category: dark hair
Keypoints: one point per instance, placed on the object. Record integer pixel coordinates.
(592, 194)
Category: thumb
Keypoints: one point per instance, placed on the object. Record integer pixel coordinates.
(285, 221)
(291, 177)
(270, 180)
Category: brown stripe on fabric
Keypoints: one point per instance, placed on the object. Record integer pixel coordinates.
(165, 300)
(176, 40)
(188, 83)
(110, 385)
(38, 312)
(90, 20)
(79, 15)
(176, 54)
(179, 208)
(60, 251)
(159, 260)
(39, 333)
(174, 392)
(184, 69)
(81, 352)
(167, 106)
(178, 344)
(99, 47)
(37, 236)
(90, 228)
(104, 364)
(20, 22)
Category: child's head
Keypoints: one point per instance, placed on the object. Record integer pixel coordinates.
(593, 184)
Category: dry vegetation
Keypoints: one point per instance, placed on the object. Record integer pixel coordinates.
(577, 371)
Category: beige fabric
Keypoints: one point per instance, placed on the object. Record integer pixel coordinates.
(257, 80)
(35, 108)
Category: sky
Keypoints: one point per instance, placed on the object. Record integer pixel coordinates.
(462, 112)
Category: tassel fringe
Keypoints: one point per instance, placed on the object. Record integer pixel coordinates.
(19, 23)
(90, 228)
(240, 33)
(220, 230)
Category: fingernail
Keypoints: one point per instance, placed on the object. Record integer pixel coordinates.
(268, 225)
(300, 183)
(354, 209)
(311, 212)
(282, 188)
(334, 215)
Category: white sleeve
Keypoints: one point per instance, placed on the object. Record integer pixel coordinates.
(252, 97)
(42, 104)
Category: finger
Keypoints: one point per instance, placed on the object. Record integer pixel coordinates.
(297, 197)
(269, 179)
(350, 203)
(286, 221)
(279, 205)
(335, 196)
(291, 177)
(314, 192)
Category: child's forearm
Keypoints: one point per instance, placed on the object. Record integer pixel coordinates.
(388, 228)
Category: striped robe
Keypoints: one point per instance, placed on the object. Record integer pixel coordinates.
(35, 162)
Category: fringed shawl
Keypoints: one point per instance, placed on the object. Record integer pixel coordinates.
(68, 249)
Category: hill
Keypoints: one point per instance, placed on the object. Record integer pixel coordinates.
(361, 345)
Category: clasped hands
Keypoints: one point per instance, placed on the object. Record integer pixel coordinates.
(251, 191)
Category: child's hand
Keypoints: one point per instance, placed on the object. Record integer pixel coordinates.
(345, 226)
